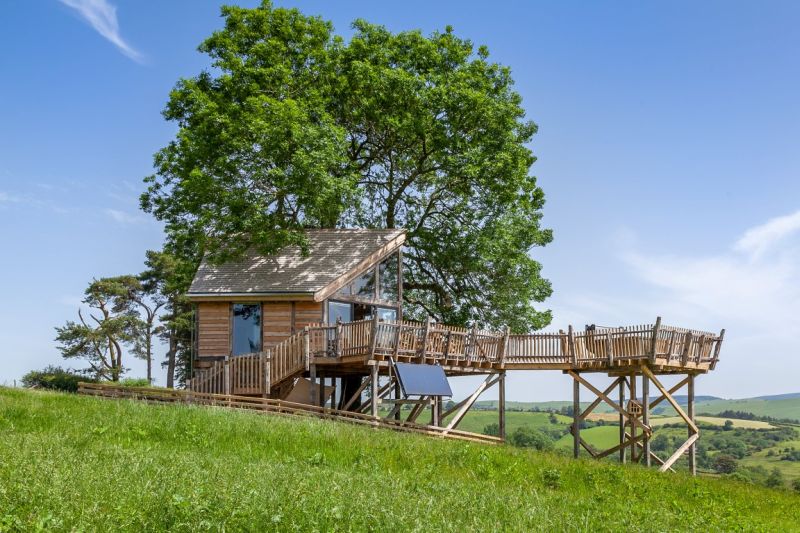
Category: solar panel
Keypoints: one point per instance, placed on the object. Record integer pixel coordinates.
(423, 380)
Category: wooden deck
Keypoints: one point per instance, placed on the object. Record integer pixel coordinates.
(353, 347)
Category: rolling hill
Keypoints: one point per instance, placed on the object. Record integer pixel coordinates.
(72, 462)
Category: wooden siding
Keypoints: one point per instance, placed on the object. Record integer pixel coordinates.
(214, 328)
(276, 320)
(307, 313)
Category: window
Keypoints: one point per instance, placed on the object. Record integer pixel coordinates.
(364, 285)
(387, 314)
(246, 329)
(388, 279)
(337, 310)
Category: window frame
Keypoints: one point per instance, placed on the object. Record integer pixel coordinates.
(233, 330)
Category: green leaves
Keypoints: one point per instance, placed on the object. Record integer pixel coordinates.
(297, 128)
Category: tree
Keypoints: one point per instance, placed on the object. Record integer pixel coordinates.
(172, 274)
(99, 340)
(528, 437)
(796, 485)
(141, 298)
(725, 464)
(299, 129)
(728, 425)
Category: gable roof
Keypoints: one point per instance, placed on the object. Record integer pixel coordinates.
(334, 256)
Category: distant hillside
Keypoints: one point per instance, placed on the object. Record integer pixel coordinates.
(784, 406)
(77, 463)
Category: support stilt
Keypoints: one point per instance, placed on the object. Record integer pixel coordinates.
(501, 405)
(622, 456)
(646, 418)
(373, 401)
(690, 408)
(576, 418)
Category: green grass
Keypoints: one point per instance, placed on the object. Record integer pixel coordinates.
(782, 409)
(714, 421)
(70, 462)
(601, 437)
(477, 420)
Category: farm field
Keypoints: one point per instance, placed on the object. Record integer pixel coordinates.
(73, 462)
(712, 420)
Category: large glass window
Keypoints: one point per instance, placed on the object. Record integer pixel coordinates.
(337, 310)
(388, 279)
(246, 328)
(364, 285)
(387, 314)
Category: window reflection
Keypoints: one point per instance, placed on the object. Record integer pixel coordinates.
(364, 285)
(246, 329)
(337, 310)
(388, 278)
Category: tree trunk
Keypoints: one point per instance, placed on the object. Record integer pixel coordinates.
(173, 349)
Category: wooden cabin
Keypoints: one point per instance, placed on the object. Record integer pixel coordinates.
(251, 305)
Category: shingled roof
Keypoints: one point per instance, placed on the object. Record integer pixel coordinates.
(333, 254)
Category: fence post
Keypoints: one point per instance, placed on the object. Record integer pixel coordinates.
(425, 338)
(571, 341)
(610, 349)
(473, 346)
(654, 348)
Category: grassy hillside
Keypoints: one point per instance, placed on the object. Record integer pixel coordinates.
(72, 462)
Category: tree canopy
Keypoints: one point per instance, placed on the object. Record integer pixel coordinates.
(294, 127)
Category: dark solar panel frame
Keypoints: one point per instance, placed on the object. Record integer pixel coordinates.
(422, 380)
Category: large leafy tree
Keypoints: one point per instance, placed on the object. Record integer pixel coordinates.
(297, 128)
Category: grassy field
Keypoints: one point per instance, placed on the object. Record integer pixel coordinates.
(712, 420)
(72, 462)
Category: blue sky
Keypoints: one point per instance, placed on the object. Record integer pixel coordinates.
(667, 151)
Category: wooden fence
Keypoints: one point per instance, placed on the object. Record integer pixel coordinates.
(266, 405)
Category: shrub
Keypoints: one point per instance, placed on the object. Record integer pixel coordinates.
(796, 485)
(775, 479)
(528, 437)
(134, 382)
(725, 464)
(55, 378)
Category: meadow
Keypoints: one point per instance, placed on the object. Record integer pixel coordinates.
(77, 463)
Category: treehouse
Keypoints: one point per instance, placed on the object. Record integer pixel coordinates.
(326, 329)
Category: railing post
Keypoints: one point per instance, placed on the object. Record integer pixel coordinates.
(447, 344)
(266, 361)
(687, 347)
(307, 347)
(425, 338)
(504, 347)
(373, 339)
(654, 347)
(610, 349)
(338, 338)
(571, 340)
(226, 372)
(472, 347)
(716, 349)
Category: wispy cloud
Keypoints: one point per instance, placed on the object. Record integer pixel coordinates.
(102, 16)
(123, 217)
(756, 241)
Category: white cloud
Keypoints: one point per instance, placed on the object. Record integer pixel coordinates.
(102, 16)
(756, 241)
(123, 217)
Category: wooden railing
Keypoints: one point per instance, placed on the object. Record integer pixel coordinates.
(240, 374)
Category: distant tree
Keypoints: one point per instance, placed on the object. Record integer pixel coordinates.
(528, 437)
(796, 485)
(728, 425)
(99, 339)
(725, 464)
(296, 128)
(553, 418)
(775, 479)
(141, 298)
(171, 274)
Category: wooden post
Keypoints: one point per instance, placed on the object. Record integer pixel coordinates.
(425, 338)
(321, 394)
(338, 338)
(622, 420)
(646, 417)
(501, 405)
(632, 388)
(504, 346)
(687, 347)
(373, 339)
(576, 420)
(397, 396)
(654, 350)
(226, 373)
(374, 391)
(313, 387)
(690, 414)
(716, 350)
(307, 347)
(400, 285)
(472, 346)
(266, 362)
(609, 349)
(572, 353)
